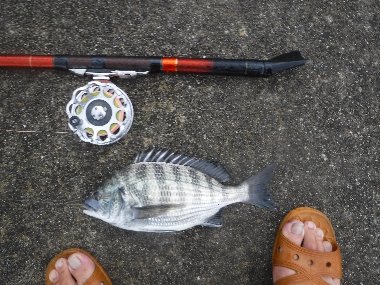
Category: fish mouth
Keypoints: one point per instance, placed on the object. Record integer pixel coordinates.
(91, 204)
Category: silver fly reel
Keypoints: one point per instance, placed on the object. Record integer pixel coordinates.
(100, 112)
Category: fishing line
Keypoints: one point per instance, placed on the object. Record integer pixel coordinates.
(33, 131)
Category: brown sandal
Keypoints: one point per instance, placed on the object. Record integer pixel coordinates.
(308, 264)
(96, 278)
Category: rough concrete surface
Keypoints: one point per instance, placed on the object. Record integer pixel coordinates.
(319, 124)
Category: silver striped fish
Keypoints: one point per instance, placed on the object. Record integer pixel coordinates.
(164, 191)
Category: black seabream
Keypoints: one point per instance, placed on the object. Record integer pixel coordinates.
(164, 191)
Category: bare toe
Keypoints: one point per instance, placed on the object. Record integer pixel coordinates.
(53, 276)
(319, 240)
(309, 240)
(81, 267)
(61, 274)
(294, 231)
(327, 246)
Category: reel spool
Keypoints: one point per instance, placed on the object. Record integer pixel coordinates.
(100, 112)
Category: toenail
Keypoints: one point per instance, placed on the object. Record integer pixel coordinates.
(74, 262)
(319, 233)
(327, 246)
(297, 228)
(311, 225)
(59, 264)
(53, 275)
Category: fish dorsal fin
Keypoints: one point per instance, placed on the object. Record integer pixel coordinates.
(213, 169)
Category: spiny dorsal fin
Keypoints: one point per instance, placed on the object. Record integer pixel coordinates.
(210, 168)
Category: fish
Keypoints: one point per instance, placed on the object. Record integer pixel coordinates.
(165, 191)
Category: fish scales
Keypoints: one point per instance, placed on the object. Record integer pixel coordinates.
(186, 184)
(182, 218)
(195, 191)
(188, 187)
(161, 196)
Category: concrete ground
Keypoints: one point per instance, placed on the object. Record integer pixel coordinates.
(319, 123)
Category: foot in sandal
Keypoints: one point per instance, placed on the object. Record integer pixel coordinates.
(305, 250)
(75, 267)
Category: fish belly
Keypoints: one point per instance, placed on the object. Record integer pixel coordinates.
(173, 221)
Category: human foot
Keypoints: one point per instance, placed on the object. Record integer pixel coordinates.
(306, 253)
(75, 267)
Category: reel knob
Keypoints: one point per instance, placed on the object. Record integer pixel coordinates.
(74, 121)
(100, 113)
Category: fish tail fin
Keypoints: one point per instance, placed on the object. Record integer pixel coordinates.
(257, 189)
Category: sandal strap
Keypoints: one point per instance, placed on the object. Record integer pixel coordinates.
(308, 264)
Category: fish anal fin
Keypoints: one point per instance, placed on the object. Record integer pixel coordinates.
(214, 221)
(152, 211)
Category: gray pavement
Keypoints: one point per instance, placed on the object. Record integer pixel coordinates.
(319, 123)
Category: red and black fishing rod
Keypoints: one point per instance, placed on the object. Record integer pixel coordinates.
(101, 113)
(158, 64)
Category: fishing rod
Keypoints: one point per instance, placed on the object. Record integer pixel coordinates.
(101, 113)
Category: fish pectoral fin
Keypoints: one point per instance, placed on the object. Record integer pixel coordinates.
(153, 210)
(214, 221)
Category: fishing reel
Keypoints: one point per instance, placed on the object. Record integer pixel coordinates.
(100, 112)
